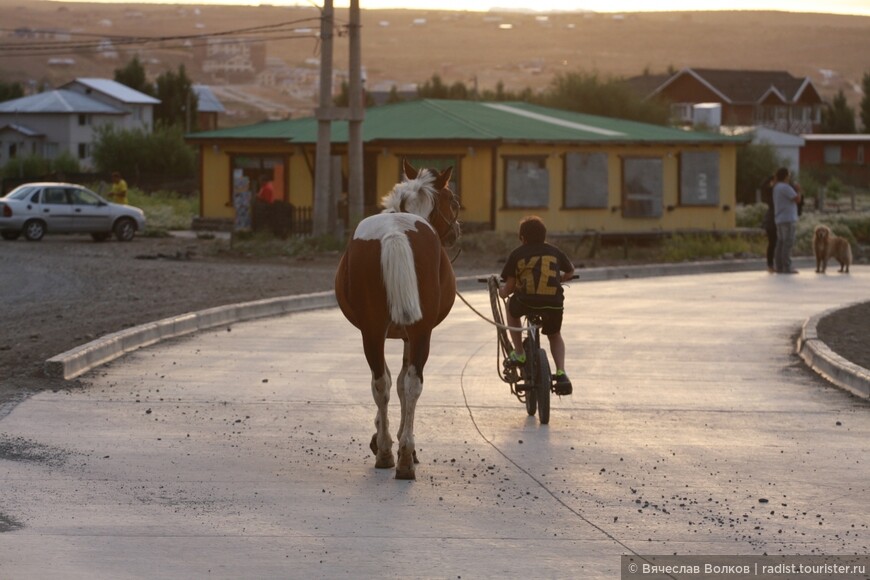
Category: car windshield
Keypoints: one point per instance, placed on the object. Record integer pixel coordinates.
(22, 192)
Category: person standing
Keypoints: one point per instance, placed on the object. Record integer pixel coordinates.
(769, 222)
(118, 193)
(785, 203)
(267, 191)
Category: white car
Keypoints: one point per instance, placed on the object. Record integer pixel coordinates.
(34, 209)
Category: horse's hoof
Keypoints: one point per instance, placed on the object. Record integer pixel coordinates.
(415, 457)
(407, 474)
(385, 462)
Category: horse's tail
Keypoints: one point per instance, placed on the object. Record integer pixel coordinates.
(400, 278)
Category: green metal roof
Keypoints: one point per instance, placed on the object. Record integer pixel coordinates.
(447, 120)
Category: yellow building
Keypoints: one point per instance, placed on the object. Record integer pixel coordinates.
(578, 172)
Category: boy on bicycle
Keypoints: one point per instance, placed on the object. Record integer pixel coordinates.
(533, 276)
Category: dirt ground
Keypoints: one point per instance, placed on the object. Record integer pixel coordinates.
(66, 290)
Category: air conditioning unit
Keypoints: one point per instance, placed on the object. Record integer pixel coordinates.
(707, 115)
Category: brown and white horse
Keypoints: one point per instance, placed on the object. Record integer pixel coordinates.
(396, 281)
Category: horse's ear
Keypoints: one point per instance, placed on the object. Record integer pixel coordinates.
(443, 179)
(410, 172)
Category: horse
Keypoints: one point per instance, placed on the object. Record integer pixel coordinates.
(395, 280)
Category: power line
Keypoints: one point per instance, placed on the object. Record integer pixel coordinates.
(269, 32)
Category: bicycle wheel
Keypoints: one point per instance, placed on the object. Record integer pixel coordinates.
(532, 401)
(544, 381)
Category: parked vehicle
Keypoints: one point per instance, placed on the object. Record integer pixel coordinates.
(34, 209)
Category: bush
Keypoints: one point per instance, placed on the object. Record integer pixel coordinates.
(135, 153)
(751, 216)
(36, 166)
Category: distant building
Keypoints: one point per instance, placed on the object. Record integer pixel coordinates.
(578, 172)
(846, 157)
(232, 59)
(51, 123)
(208, 108)
(773, 99)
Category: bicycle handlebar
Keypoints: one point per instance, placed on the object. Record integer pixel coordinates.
(485, 280)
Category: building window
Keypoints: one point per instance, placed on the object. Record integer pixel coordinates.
(833, 155)
(254, 171)
(437, 163)
(682, 112)
(84, 120)
(586, 180)
(699, 178)
(859, 155)
(642, 187)
(527, 182)
(83, 150)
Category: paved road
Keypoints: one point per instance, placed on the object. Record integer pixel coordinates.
(243, 452)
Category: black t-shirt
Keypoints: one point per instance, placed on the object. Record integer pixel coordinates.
(537, 269)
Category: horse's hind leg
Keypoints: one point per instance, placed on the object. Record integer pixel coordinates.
(411, 387)
(381, 443)
(401, 391)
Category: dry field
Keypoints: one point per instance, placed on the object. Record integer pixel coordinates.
(402, 47)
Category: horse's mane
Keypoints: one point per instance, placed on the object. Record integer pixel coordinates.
(416, 196)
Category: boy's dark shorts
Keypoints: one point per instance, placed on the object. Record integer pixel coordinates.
(551, 318)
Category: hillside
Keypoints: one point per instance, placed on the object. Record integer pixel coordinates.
(403, 47)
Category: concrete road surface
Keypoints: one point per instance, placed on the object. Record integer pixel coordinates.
(243, 452)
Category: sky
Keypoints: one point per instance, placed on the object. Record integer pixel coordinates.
(859, 7)
(856, 7)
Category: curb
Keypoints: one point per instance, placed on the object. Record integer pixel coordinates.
(81, 359)
(834, 368)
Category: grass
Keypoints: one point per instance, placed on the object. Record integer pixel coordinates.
(164, 210)
(265, 245)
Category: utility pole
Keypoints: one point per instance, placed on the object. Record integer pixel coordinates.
(356, 203)
(324, 114)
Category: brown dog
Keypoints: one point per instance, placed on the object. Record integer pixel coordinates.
(826, 245)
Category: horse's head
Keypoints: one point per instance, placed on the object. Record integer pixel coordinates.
(426, 193)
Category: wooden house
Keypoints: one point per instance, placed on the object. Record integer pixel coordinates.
(773, 99)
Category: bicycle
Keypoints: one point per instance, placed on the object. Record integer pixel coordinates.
(531, 382)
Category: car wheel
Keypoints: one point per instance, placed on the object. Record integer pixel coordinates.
(10, 235)
(125, 229)
(100, 237)
(34, 230)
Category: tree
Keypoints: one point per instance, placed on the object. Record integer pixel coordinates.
(587, 93)
(133, 75)
(342, 99)
(433, 89)
(838, 116)
(9, 91)
(394, 96)
(178, 101)
(865, 103)
(754, 164)
(135, 153)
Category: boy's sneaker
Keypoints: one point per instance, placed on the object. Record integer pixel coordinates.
(562, 384)
(515, 360)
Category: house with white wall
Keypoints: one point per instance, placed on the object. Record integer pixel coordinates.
(51, 123)
(138, 106)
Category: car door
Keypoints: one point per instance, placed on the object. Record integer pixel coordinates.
(55, 209)
(90, 213)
